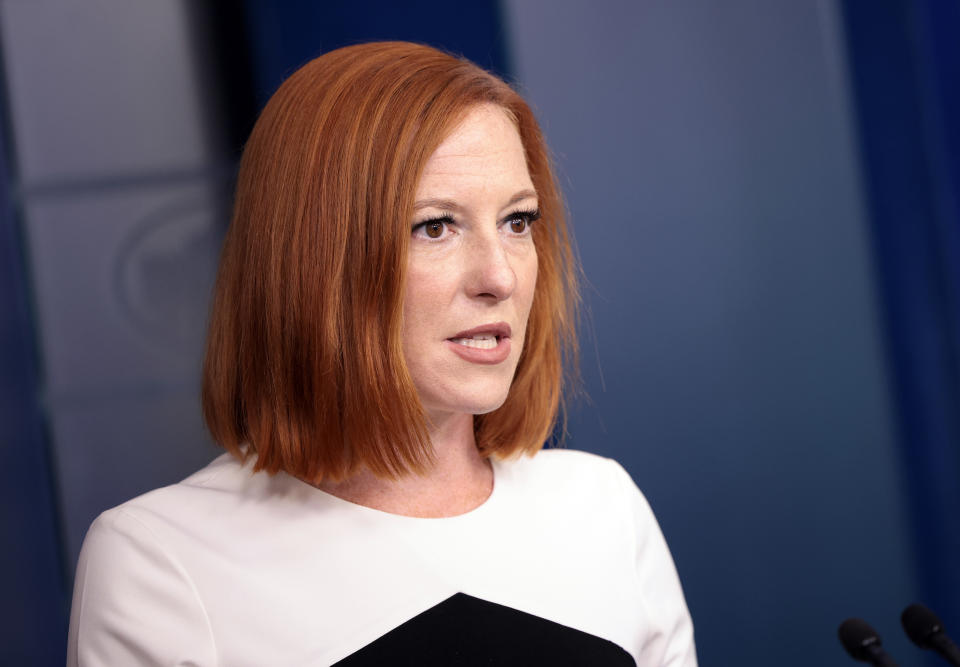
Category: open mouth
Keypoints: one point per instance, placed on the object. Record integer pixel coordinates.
(479, 342)
(486, 344)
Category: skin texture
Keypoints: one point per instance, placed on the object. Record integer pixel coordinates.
(480, 270)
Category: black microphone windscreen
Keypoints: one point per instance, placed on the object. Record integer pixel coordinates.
(857, 637)
(920, 624)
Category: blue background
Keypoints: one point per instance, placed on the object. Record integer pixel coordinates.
(766, 202)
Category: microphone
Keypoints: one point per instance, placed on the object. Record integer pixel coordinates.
(926, 631)
(863, 643)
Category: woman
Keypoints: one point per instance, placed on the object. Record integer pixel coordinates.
(392, 315)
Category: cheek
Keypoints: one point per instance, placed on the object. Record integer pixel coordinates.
(529, 281)
(424, 301)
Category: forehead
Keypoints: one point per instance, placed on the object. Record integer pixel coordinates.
(485, 148)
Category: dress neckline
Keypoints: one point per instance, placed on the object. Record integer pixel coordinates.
(471, 514)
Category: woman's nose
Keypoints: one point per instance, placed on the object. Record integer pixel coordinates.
(491, 273)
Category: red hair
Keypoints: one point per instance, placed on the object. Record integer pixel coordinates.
(311, 277)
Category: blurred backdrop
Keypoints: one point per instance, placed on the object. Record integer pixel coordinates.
(765, 199)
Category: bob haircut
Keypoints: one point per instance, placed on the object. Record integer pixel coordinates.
(304, 365)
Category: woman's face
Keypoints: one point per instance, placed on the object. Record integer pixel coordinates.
(472, 267)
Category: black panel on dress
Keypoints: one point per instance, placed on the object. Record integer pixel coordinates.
(464, 630)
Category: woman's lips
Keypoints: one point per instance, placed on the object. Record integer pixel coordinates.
(480, 355)
(498, 329)
(486, 344)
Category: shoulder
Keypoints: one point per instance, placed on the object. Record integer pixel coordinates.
(218, 475)
(574, 483)
(565, 467)
(224, 503)
(135, 536)
(140, 518)
(133, 600)
(138, 592)
(581, 483)
(209, 496)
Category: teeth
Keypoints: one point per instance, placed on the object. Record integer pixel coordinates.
(480, 341)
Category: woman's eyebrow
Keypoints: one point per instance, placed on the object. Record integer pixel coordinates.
(520, 196)
(450, 205)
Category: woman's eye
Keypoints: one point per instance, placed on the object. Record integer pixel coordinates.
(520, 222)
(432, 229)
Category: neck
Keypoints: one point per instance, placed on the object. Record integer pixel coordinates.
(459, 481)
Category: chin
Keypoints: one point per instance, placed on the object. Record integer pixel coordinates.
(485, 404)
(474, 400)
(489, 407)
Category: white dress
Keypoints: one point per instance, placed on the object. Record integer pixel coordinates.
(563, 564)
